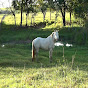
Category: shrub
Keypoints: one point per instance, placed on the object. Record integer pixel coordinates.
(81, 37)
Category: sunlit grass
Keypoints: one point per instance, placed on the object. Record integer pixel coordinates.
(9, 19)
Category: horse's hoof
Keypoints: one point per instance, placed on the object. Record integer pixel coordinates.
(38, 62)
(32, 60)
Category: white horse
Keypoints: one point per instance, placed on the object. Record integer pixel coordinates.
(44, 43)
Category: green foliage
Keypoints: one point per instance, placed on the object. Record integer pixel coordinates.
(81, 8)
(27, 5)
(79, 39)
(51, 4)
(43, 8)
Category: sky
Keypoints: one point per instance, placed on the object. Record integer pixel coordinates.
(5, 3)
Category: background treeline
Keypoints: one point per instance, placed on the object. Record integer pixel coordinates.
(58, 8)
(77, 7)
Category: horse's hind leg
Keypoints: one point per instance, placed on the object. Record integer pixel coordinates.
(37, 54)
(33, 55)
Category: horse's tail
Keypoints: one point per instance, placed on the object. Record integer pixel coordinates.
(33, 51)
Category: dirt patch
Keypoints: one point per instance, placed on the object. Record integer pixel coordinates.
(39, 25)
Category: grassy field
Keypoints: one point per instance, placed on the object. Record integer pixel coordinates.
(68, 69)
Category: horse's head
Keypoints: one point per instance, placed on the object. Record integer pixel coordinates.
(55, 35)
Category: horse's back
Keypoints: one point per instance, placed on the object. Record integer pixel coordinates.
(40, 43)
(43, 43)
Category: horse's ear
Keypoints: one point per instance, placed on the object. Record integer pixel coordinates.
(57, 30)
(52, 34)
(54, 30)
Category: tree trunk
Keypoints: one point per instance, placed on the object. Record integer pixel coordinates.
(15, 20)
(21, 13)
(0, 26)
(43, 17)
(63, 14)
(2, 21)
(56, 15)
(70, 18)
(21, 18)
(63, 17)
(26, 19)
(14, 17)
(64, 20)
(50, 13)
(31, 21)
(33, 18)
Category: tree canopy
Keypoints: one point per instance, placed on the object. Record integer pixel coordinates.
(78, 7)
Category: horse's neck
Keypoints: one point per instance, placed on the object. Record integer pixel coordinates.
(51, 37)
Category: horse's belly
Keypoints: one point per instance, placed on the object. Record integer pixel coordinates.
(44, 45)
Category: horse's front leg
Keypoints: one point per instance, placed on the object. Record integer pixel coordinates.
(50, 54)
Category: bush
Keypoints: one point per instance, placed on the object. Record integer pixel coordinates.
(81, 37)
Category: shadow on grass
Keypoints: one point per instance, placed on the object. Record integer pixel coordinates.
(10, 33)
(19, 56)
(18, 27)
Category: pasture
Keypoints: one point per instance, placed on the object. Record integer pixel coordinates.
(69, 68)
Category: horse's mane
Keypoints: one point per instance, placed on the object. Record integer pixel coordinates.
(51, 35)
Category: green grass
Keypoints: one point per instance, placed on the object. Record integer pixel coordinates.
(17, 69)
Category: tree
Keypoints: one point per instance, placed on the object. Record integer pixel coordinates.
(21, 3)
(24, 6)
(51, 6)
(6, 12)
(81, 11)
(30, 7)
(61, 5)
(18, 5)
(13, 11)
(70, 8)
(81, 8)
(43, 7)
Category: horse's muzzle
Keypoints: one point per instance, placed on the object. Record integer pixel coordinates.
(56, 40)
